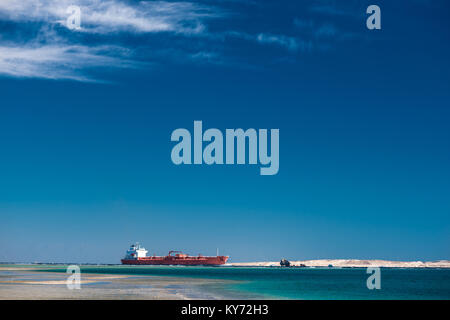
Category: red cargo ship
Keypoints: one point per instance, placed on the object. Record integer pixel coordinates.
(138, 255)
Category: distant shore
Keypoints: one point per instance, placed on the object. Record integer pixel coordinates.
(349, 263)
(339, 263)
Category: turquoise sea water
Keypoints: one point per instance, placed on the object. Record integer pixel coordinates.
(298, 283)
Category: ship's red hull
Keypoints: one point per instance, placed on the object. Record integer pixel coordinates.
(173, 260)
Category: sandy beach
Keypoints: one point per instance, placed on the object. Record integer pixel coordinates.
(350, 263)
(27, 282)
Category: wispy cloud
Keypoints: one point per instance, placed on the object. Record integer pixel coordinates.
(328, 9)
(106, 16)
(350, 8)
(330, 22)
(58, 53)
(127, 34)
(290, 43)
(326, 31)
(58, 61)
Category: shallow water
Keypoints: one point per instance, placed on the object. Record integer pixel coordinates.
(297, 283)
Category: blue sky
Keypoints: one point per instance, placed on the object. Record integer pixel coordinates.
(86, 117)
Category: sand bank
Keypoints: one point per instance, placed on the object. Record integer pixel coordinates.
(350, 263)
(28, 283)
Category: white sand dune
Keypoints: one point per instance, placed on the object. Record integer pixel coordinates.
(351, 263)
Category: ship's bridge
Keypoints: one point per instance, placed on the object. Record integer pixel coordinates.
(136, 251)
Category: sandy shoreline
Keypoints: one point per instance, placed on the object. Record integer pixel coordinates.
(49, 282)
(27, 283)
(350, 263)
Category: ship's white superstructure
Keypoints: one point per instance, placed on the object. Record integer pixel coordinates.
(136, 251)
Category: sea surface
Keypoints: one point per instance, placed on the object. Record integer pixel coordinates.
(294, 283)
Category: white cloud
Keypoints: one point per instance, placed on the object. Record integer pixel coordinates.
(57, 61)
(53, 54)
(105, 16)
